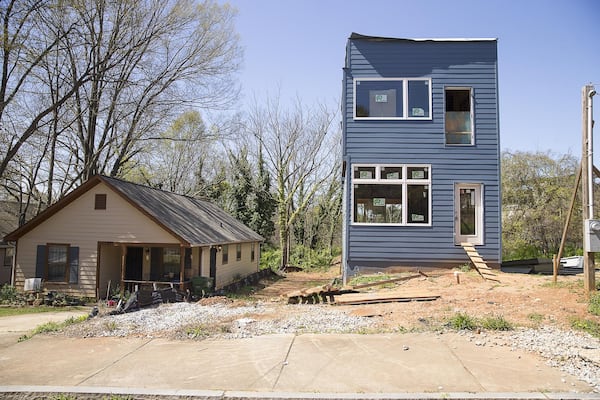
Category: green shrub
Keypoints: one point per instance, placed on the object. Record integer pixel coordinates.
(496, 323)
(310, 259)
(462, 321)
(8, 294)
(270, 258)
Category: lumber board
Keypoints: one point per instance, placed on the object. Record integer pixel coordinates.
(404, 278)
(383, 299)
(478, 262)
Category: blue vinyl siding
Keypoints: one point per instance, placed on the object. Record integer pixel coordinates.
(469, 64)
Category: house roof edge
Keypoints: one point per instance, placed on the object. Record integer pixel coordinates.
(358, 36)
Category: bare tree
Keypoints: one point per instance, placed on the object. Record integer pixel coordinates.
(298, 147)
(100, 79)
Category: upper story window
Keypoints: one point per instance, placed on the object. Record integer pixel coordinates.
(458, 117)
(392, 98)
(391, 194)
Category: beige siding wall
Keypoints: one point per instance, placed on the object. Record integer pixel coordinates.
(80, 225)
(110, 267)
(236, 269)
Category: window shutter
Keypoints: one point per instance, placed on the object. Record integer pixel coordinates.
(73, 264)
(40, 262)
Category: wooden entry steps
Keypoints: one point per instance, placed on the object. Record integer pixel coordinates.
(480, 265)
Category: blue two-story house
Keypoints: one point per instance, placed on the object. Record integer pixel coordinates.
(421, 152)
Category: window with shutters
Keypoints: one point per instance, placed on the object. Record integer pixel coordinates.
(58, 263)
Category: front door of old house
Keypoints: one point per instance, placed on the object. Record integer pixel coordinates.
(468, 213)
(134, 263)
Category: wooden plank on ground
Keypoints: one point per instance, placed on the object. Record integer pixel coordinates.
(383, 299)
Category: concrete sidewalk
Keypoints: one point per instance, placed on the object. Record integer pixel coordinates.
(285, 366)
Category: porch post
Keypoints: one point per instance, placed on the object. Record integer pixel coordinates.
(181, 266)
(123, 259)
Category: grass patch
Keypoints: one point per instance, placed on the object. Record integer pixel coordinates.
(586, 325)
(9, 311)
(496, 323)
(536, 318)
(50, 327)
(463, 321)
(204, 331)
(594, 306)
(564, 284)
(364, 279)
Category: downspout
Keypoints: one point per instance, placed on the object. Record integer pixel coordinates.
(590, 153)
(13, 266)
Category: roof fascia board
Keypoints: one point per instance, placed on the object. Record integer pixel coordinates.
(53, 209)
(358, 36)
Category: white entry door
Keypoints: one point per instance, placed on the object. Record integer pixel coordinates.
(468, 213)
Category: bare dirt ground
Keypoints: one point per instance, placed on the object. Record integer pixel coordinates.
(523, 300)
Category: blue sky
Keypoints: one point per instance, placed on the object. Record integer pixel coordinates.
(547, 51)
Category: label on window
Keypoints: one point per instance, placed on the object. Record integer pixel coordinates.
(379, 201)
(418, 174)
(381, 98)
(365, 175)
(418, 112)
(417, 217)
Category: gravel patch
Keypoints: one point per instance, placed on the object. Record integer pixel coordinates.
(192, 320)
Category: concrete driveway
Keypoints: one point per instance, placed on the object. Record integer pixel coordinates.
(15, 326)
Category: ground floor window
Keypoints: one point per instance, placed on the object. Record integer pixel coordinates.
(57, 262)
(391, 194)
(9, 253)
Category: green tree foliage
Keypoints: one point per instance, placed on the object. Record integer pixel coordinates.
(251, 200)
(536, 194)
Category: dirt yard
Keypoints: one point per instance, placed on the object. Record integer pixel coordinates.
(523, 300)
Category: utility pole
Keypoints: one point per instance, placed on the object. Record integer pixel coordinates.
(587, 186)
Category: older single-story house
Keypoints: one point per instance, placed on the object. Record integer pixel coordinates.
(112, 231)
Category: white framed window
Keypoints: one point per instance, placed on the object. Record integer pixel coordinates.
(458, 116)
(391, 194)
(392, 98)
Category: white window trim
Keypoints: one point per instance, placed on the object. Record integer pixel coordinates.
(472, 97)
(404, 182)
(479, 239)
(404, 100)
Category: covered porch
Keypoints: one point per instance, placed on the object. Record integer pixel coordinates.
(127, 266)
